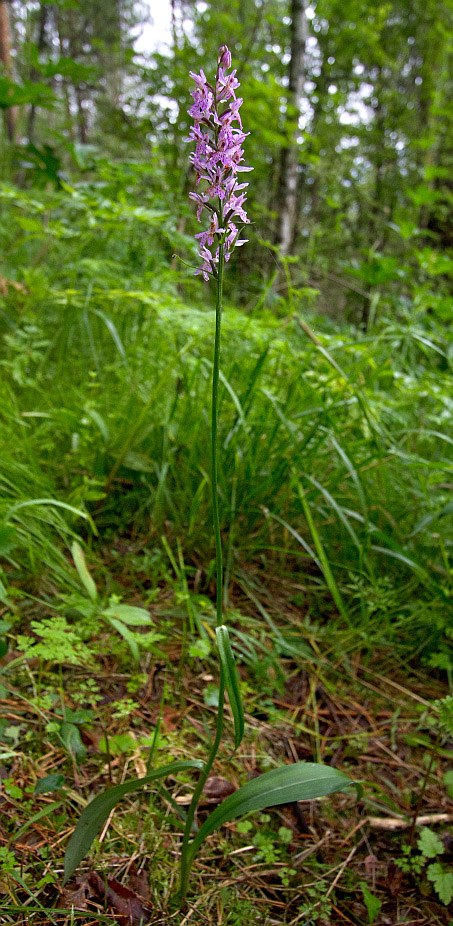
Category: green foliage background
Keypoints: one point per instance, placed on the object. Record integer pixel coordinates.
(107, 336)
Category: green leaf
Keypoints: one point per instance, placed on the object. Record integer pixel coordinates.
(95, 815)
(432, 516)
(442, 880)
(200, 649)
(138, 462)
(99, 422)
(81, 566)
(448, 782)
(70, 737)
(444, 707)
(211, 696)
(53, 502)
(231, 678)
(302, 781)
(79, 715)
(135, 617)
(7, 538)
(49, 783)
(126, 634)
(372, 903)
(67, 67)
(429, 843)
(12, 94)
(117, 744)
(406, 560)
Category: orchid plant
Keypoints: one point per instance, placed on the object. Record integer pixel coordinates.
(217, 159)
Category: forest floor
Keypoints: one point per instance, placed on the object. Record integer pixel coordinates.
(336, 861)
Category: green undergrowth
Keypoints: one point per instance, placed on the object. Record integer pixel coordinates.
(335, 460)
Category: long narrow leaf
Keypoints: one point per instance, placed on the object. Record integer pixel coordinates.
(53, 502)
(339, 511)
(129, 614)
(84, 575)
(95, 815)
(299, 782)
(127, 635)
(231, 682)
(323, 558)
(432, 516)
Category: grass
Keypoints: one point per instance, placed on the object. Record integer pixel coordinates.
(128, 446)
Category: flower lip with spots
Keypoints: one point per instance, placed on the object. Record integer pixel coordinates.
(217, 160)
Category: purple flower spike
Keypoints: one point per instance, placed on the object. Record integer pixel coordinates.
(217, 160)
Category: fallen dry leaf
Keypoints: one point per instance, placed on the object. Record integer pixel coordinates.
(139, 882)
(171, 719)
(79, 896)
(125, 904)
(216, 790)
(394, 879)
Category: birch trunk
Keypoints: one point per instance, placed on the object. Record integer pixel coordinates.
(288, 183)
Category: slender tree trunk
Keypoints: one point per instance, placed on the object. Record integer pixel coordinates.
(376, 213)
(288, 182)
(79, 95)
(64, 80)
(6, 60)
(433, 112)
(81, 115)
(311, 193)
(34, 74)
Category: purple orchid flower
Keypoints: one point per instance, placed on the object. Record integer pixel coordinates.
(217, 160)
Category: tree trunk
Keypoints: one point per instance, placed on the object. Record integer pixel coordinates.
(6, 60)
(41, 43)
(287, 190)
(79, 95)
(65, 82)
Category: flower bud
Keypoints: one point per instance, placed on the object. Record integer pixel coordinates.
(224, 57)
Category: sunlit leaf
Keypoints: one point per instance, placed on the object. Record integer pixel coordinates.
(81, 566)
(129, 614)
(302, 781)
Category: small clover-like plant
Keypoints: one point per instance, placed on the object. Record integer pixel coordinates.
(218, 159)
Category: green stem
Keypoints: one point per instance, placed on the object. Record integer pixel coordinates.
(187, 855)
(214, 478)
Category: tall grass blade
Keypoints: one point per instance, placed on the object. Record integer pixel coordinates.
(325, 565)
(55, 504)
(432, 516)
